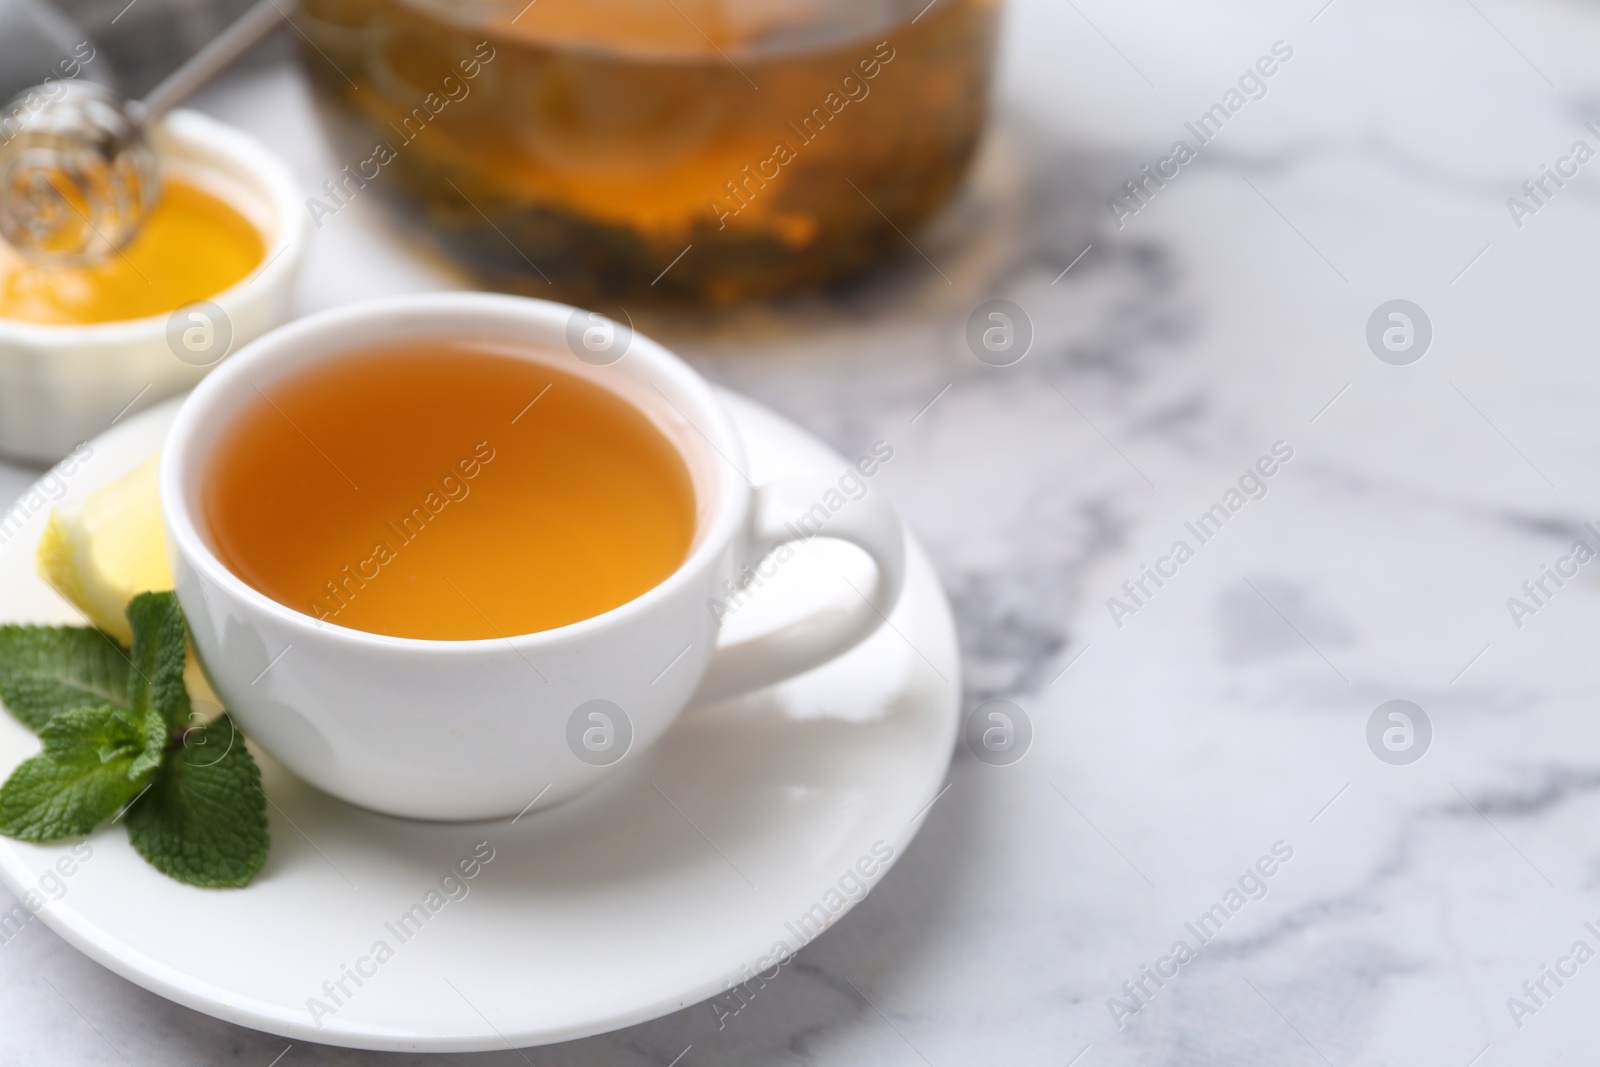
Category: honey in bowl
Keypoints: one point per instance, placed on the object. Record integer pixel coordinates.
(446, 490)
(704, 148)
(192, 247)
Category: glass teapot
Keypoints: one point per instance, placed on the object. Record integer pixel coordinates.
(709, 149)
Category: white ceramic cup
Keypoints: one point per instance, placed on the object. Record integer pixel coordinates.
(480, 729)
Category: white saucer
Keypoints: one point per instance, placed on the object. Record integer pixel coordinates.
(662, 887)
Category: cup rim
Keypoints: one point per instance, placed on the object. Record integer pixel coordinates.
(546, 321)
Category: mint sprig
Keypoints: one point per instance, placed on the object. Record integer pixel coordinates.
(118, 730)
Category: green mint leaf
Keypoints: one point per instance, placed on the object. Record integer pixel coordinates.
(50, 669)
(204, 820)
(159, 644)
(155, 746)
(95, 760)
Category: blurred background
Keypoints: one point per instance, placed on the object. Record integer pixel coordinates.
(145, 42)
(591, 145)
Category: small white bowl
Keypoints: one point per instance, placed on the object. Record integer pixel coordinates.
(60, 385)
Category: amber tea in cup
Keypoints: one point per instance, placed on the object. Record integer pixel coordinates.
(714, 149)
(446, 490)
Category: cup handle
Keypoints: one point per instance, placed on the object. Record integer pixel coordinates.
(783, 512)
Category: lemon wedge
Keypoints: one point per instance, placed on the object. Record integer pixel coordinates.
(101, 552)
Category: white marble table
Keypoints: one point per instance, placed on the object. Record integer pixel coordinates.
(1228, 713)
